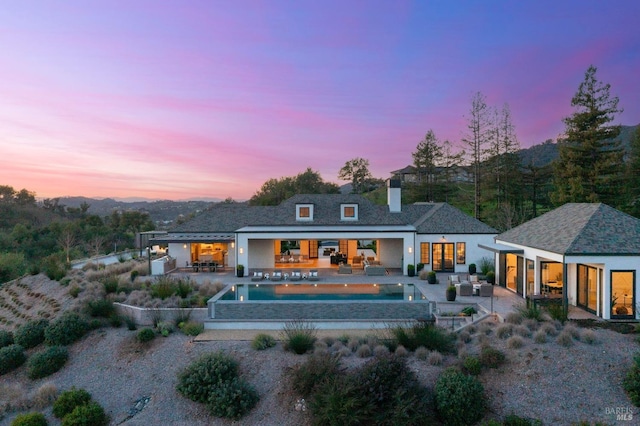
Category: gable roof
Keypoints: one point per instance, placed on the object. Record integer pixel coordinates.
(579, 229)
(427, 218)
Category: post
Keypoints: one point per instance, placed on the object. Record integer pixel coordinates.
(149, 258)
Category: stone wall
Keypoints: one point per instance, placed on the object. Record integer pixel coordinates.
(146, 316)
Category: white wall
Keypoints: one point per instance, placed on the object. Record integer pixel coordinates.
(473, 252)
(180, 253)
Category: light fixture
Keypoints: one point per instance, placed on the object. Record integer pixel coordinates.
(241, 250)
(410, 249)
(233, 244)
(184, 246)
(241, 298)
(410, 298)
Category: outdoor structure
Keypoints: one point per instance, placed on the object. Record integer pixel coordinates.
(438, 235)
(586, 255)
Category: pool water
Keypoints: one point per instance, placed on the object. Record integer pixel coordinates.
(317, 292)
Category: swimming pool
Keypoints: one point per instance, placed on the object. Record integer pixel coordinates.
(311, 292)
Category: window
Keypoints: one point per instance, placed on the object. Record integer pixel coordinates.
(349, 212)
(622, 294)
(304, 212)
(424, 253)
(461, 253)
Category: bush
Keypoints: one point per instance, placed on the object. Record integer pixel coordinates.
(364, 351)
(6, 338)
(382, 376)
(163, 287)
(564, 339)
(165, 328)
(11, 357)
(47, 362)
(69, 400)
(90, 414)
(66, 329)
(435, 358)
(197, 379)
(540, 337)
(31, 333)
(491, 357)
(515, 342)
(263, 341)
(339, 401)
(102, 308)
(453, 403)
(232, 399)
(423, 334)
(529, 312)
(192, 328)
(558, 312)
(472, 365)
(310, 374)
(131, 323)
(110, 284)
(515, 420)
(30, 419)
(298, 336)
(631, 382)
(146, 335)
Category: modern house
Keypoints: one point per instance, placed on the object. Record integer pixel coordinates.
(438, 235)
(588, 254)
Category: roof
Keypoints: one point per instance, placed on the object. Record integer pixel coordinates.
(579, 229)
(427, 218)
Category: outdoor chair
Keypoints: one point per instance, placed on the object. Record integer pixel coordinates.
(356, 262)
(486, 290)
(465, 289)
(313, 275)
(257, 276)
(454, 279)
(276, 276)
(295, 276)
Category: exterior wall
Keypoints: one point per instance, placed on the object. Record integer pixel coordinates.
(473, 252)
(388, 250)
(144, 316)
(181, 254)
(262, 255)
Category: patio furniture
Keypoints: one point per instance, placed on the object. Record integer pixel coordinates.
(465, 289)
(356, 262)
(486, 290)
(313, 275)
(372, 270)
(276, 276)
(454, 279)
(344, 269)
(257, 276)
(296, 276)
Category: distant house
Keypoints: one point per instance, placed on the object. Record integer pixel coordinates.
(435, 234)
(409, 174)
(588, 254)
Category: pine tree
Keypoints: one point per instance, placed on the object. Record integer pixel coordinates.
(590, 165)
(428, 153)
(633, 175)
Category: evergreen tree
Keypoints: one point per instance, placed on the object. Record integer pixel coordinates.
(357, 171)
(589, 167)
(633, 175)
(428, 153)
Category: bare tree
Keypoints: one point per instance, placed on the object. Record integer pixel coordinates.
(479, 127)
(67, 240)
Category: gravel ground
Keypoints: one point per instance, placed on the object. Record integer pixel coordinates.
(556, 384)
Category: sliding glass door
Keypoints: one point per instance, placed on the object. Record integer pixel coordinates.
(442, 257)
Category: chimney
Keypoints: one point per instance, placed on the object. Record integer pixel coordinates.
(394, 195)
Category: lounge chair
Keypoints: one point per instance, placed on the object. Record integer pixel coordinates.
(296, 276)
(486, 290)
(276, 276)
(257, 276)
(313, 275)
(465, 289)
(344, 269)
(454, 279)
(356, 262)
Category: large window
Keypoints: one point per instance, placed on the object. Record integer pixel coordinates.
(424, 253)
(587, 287)
(461, 253)
(623, 294)
(551, 278)
(530, 276)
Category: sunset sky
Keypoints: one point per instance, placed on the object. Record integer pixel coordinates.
(192, 99)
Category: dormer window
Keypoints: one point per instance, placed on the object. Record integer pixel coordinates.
(304, 212)
(349, 212)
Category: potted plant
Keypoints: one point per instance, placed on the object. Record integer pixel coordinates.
(491, 277)
(411, 270)
(451, 293)
(472, 269)
(431, 277)
(419, 267)
(240, 271)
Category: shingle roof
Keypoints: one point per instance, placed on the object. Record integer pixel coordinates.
(579, 229)
(428, 218)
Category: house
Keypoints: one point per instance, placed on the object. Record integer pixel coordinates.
(409, 174)
(435, 234)
(587, 254)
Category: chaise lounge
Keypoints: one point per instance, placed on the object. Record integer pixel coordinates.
(257, 276)
(296, 276)
(313, 275)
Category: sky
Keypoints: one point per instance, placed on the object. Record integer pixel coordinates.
(210, 99)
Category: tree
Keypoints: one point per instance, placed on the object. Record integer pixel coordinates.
(275, 191)
(476, 140)
(356, 171)
(450, 164)
(633, 175)
(428, 153)
(67, 240)
(588, 169)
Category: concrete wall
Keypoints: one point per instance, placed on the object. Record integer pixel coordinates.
(390, 252)
(262, 255)
(146, 316)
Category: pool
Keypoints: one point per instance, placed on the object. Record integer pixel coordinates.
(338, 304)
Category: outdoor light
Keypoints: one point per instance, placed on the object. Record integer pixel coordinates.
(233, 244)
(241, 250)
(410, 298)
(410, 249)
(184, 246)
(241, 298)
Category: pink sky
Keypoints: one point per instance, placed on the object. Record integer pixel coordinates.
(210, 99)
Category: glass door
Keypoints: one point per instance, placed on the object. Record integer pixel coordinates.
(623, 294)
(587, 287)
(443, 257)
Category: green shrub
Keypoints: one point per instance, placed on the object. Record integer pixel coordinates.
(232, 399)
(558, 312)
(102, 308)
(146, 335)
(192, 328)
(183, 288)
(30, 419)
(69, 400)
(90, 414)
(31, 333)
(115, 320)
(515, 420)
(11, 357)
(163, 287)
(382, 376)
(491, 357)
(423, 334)
(47, 362)
(110, 284)
(531, 312)
(631, 382)
(453, 402)
(66, 329)
(74, 291)
(263, 341)
(310, 374)
(339, 401)
(131, 323)
(6, 338)
(196, 380)
(472, 365)
(134, 274)
(298, 336)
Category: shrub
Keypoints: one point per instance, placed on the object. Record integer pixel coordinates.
(165, 328)
(382, 376)
(564, 339)
(45, 395)
(422, 353)
(74, 291)
(131, 323)
(163, 287)
(90, 414)
(310, 374)
(11, 357)
(472, 365)
(102, 308)
(232, 399)
(30, 419)
(401, 351)
(31, 333)
(515, 342)
(549, 329)
(382, 350)
(491, 357)
(558, 312)
(504, 331)
(146, 335)
(435, 358)
(588, 336)
(464, 336)
(453, 403)
(513, 318)
(47, 362)
(6, 338)
(364, 351)
(66, 329)
(110, 284)
(540, 337)
(529, 312)
(69, 400)
(134, 274)
(196, 380)
(263, 341)
(298, 336)
(192, 328)
(423, 334)
(339, 401)
(183, 288)
(522, 330)
(631, 382)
